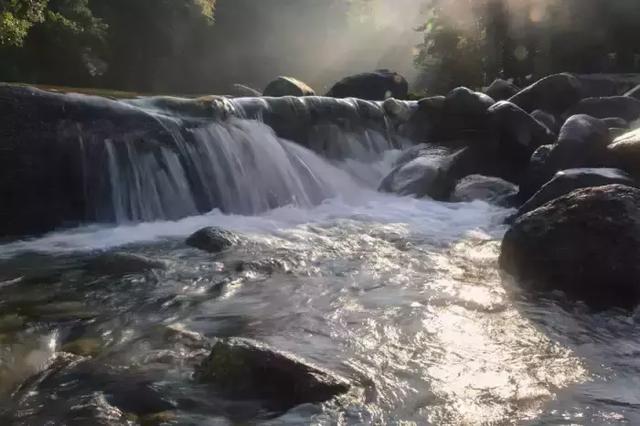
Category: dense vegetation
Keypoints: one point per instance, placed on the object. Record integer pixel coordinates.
(201, 46)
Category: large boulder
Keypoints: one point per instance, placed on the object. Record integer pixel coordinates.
(624, 107)
(485, 188)
(287, 86)
(569, 180)
(519, 135)
(582, 142)
(373, 86)
(501, 90)
(555, 94)
(428, 173)
(464, 101)
(586, 244)
(243, 368)
(212, 240)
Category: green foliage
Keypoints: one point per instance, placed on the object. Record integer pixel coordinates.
(17, 17)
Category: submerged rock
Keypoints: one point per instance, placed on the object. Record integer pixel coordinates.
(288, 86)
(243, 368)
(372, 86)
(569, 180)
(212, 240)
(123, 264)
(555, 94)
(586, 243)
(485, 188)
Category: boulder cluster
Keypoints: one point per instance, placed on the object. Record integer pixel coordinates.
(567, 160)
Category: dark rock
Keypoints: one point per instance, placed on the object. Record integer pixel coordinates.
(623, 107)
(547, 119)
(616, 122)
(501, 90)
(246, 369)
(569, 180)
(464, 101)
(519, 135)
(287, 86)
(616, 132)
(373, 86)
(555, 94)
(47, 139)
(490, 189)
(212, 240)
(427, 174)
(586, 244)
(123, 264)
(582, 142)
(535, 174)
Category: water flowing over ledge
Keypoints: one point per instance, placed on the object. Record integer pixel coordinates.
(87, 159)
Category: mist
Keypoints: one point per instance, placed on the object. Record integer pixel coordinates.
(316, 41)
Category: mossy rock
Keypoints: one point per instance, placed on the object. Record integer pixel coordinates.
(246, 369)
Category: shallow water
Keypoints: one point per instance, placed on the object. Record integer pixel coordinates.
(401, 296)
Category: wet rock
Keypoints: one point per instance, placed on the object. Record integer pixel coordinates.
(623, 107)
(373, 86)
(569, 180)
(213, 240)
(582, 142)
(547, 119)
(555, 94)
(585, 243)
(519, 135)
(501, 90)
(157, 419)
(120, 263)
(288, 86)
(242, 368)
(464, 101)
(485, 188)
(425, 175)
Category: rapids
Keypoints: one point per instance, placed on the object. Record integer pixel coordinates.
(401, 296)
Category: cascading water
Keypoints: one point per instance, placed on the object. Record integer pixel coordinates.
(103, 324)
(238, 166)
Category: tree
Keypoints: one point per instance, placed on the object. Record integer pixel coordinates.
(17, 17)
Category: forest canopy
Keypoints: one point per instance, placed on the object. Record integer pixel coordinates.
(204, 46)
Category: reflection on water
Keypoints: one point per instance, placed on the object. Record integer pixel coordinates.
(401, 296)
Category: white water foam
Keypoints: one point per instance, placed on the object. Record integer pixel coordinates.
(437, 220)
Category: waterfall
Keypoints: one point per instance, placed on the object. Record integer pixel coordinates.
(238, 166)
